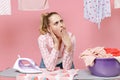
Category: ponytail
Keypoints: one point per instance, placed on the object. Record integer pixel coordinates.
(45, 22)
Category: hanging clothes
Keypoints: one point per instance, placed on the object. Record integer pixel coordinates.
(33, 4)
(5, 7)
(116, 3)
(96, 10)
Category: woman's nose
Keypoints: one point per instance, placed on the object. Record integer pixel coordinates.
(63, 27)
(60, 24)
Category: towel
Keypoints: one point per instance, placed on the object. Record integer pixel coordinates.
(116, 3)
(5, 7)
(33, 4)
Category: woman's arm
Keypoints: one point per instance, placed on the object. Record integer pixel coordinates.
(49, 56)
(68, 55)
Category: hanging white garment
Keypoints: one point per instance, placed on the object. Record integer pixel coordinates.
(33, 4)
(5, 7)
(116, 3)
(96, 10)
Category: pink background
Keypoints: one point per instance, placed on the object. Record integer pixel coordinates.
(19, 31)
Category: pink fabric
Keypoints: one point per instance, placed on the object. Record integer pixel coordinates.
(51, 55)
(90, 54)
(33, 4)
(55, 75)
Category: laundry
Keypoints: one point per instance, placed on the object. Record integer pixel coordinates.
(29, 67)
(116, 3)
(96, 10)
(60, 74)
(114, 51)
(33, 4)
(89, 55)
(5, 7)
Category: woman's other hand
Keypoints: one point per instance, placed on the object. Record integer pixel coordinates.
(66, 40)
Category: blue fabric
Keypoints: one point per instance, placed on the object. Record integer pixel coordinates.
(42, 65)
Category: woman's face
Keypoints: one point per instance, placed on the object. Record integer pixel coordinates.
(56, 24)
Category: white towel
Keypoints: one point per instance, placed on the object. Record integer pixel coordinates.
(117, 58)
(5, 7)
(116, 3)
(33, 4)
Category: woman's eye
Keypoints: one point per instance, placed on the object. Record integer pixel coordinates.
(61, 21)
(56, 23)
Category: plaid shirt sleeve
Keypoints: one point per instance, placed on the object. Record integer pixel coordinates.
(49, 56)
(68, 56)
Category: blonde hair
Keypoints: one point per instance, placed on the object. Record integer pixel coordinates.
(45, 22)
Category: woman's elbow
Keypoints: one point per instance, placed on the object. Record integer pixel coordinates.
(50, 68)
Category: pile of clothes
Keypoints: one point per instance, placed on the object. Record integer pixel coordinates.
(90, 54)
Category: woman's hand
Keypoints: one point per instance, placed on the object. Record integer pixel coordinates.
(66, 40)
(56, 40)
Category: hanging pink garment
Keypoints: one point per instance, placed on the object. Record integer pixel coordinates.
(5, 7)
(116, 3)
(33, 4)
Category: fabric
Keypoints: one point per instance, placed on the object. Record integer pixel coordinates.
(116, 3)
(51, 56)
(5, 7)
(113, 51)
(89, 55)
(54, 75)
(96, 10)
(42, 65)
(31, 5)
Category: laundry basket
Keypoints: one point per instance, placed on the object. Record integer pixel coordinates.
(105, 67)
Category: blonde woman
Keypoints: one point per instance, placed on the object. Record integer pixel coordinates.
(55, 43)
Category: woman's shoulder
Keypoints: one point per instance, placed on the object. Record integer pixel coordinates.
(42, 36)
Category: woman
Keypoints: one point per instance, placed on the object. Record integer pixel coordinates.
(55, 43)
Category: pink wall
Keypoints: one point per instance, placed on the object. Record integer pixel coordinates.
(19, 32)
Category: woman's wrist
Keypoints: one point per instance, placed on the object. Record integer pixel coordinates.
(68, 49)
(56, 46)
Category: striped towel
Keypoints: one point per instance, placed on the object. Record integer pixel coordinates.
(5, 7)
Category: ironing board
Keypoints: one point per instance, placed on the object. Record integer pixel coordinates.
(85, 75)
(9, 72)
